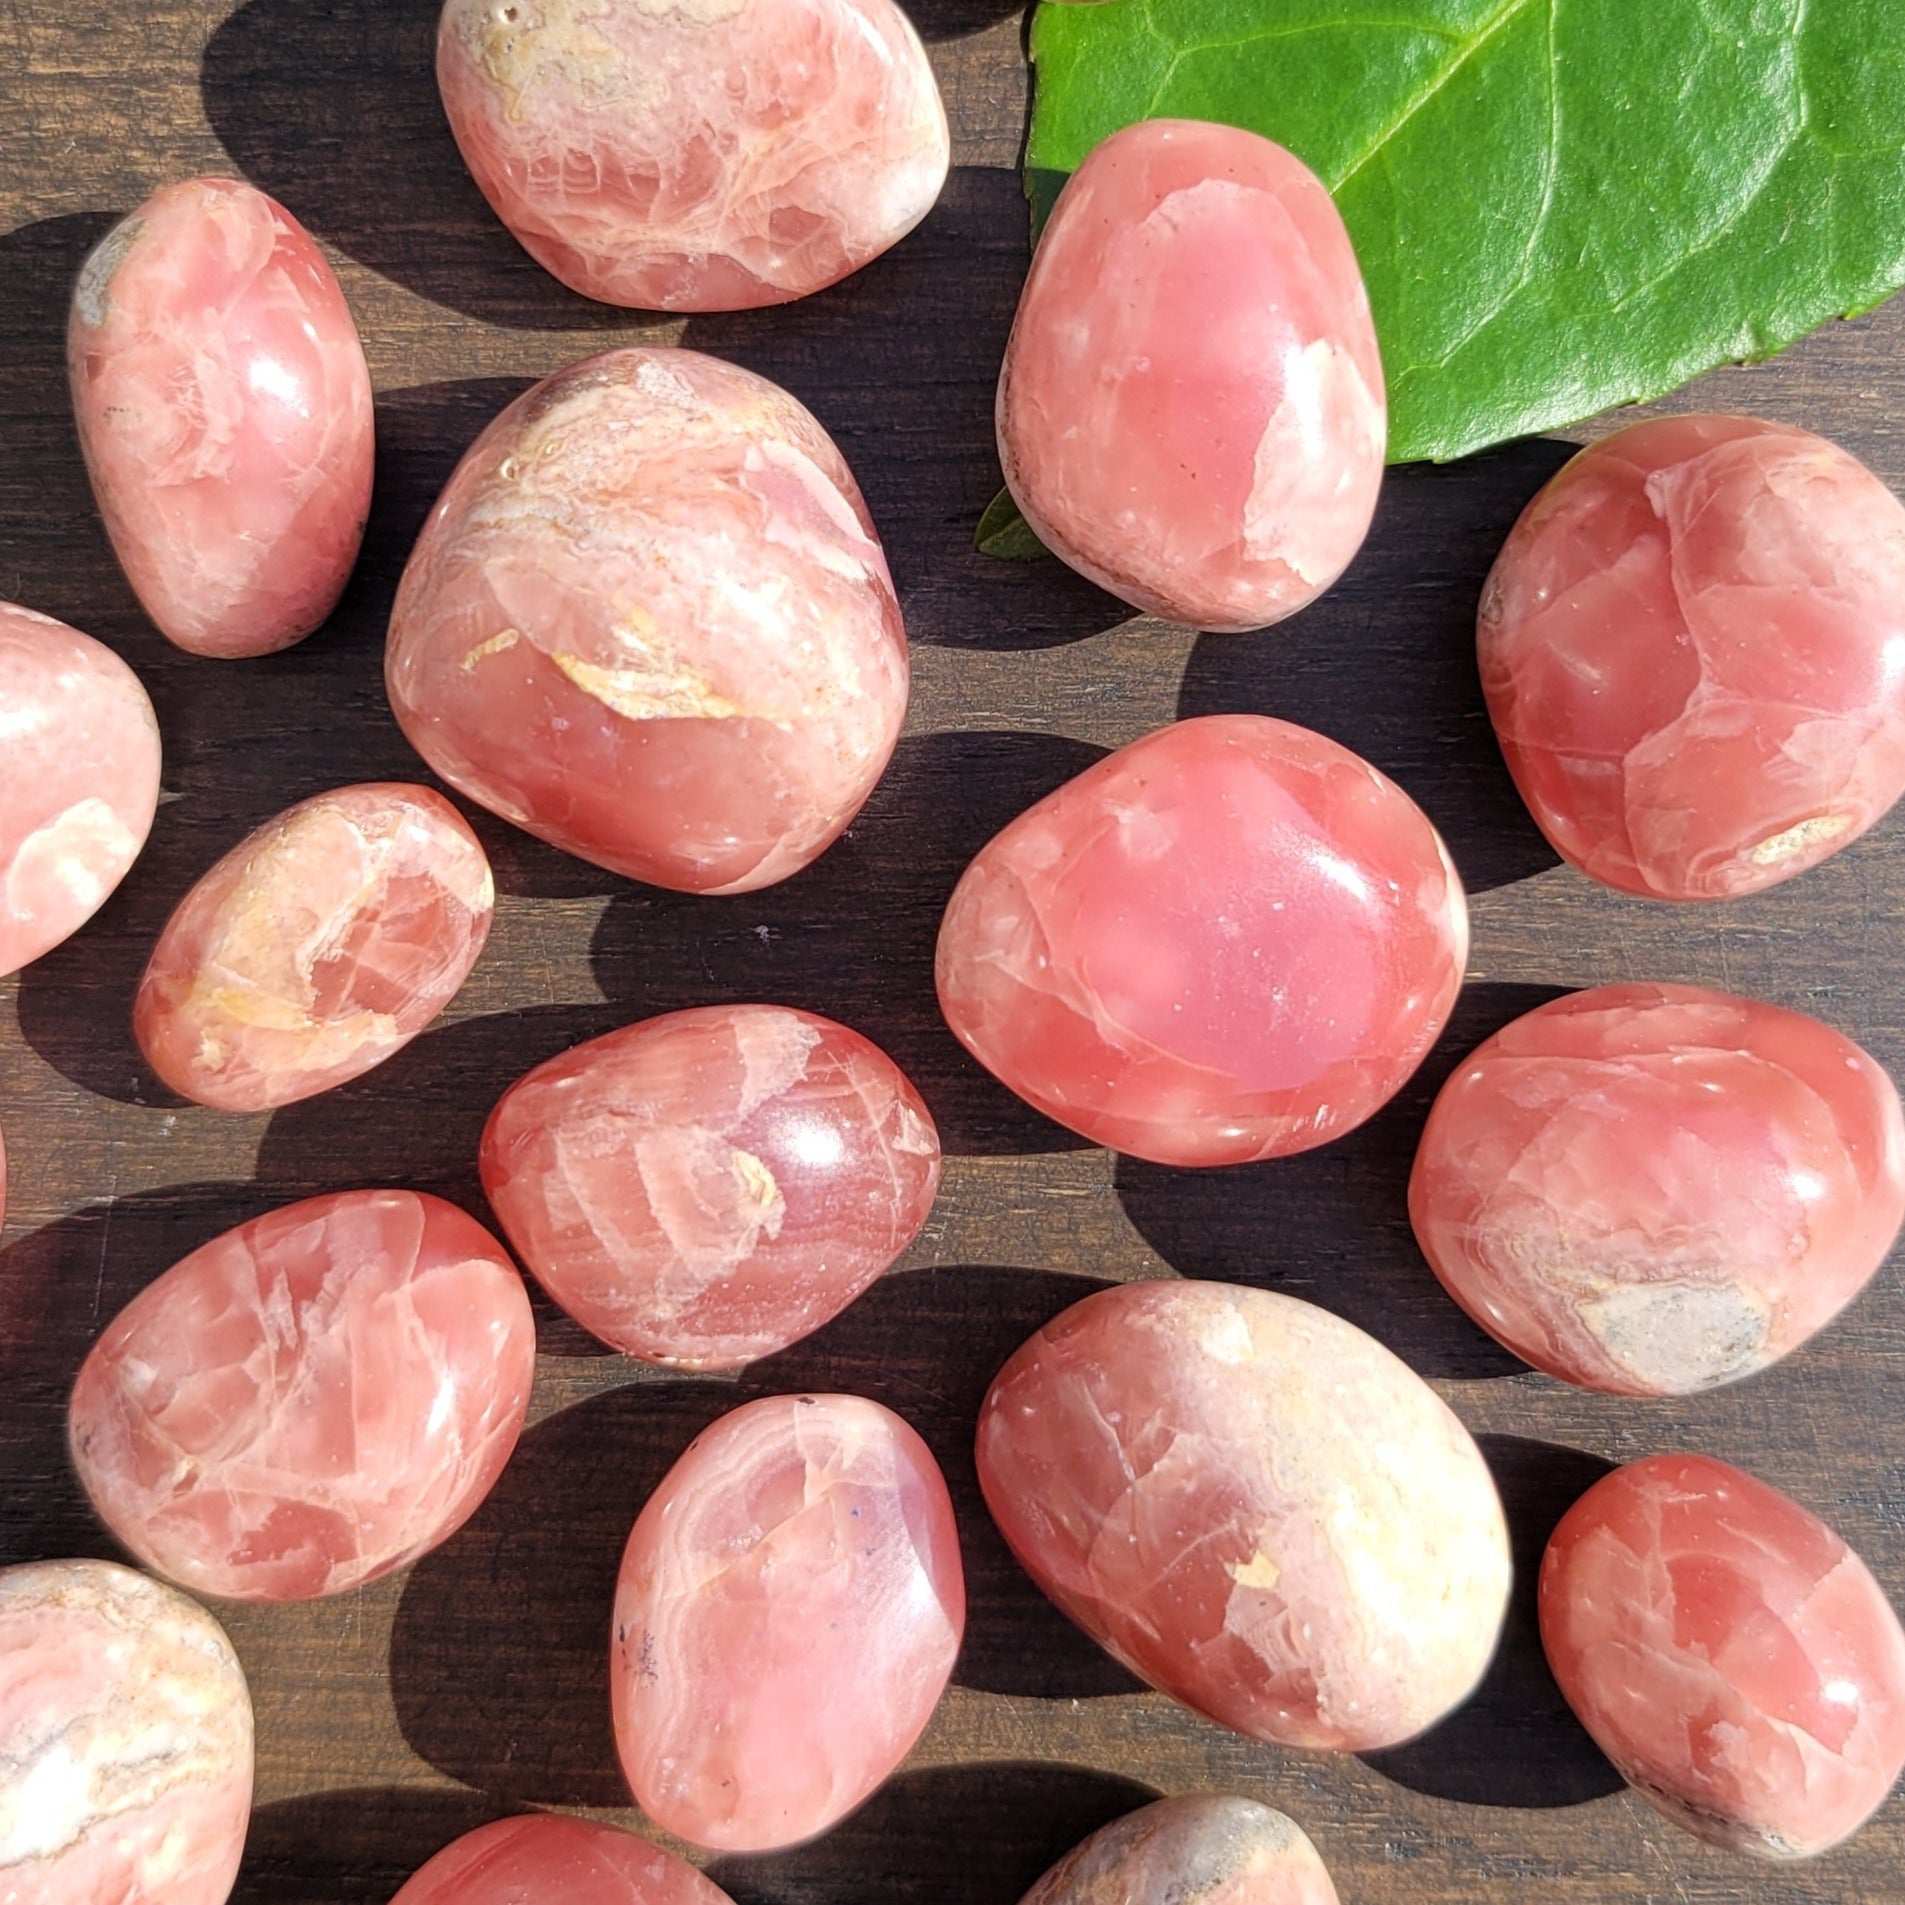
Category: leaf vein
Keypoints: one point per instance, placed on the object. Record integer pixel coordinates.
(1428, 91)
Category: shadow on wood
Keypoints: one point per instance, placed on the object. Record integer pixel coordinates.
(499, 1653)
(1515, 1742)
(1385, 662)
(853, 936)
(1332, 1225)
(354, 1847)
(333, 110)
(955, 1835)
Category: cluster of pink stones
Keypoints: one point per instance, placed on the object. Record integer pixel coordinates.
(651, 622)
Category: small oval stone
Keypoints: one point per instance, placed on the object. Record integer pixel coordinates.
(224, 408)
(1203, 1849)
(316, 948)
(1652, 1189)
(711, 156)
(82, 781)
(1192, 409)
(1689, 646)
(309, 1401)
(650, 622)
(1254, 1506)
(1231, 940)
(790, 1605)
(125, 1741)
(708, 1187)
(1729, 1653)
(544, 1859)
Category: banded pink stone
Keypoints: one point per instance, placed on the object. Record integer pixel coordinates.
(309, 1401)
(712, 155)
(789, 1608)
(81, 746)
(708, 1187)
(319, 946)
(1729, 1653)
(224, 408)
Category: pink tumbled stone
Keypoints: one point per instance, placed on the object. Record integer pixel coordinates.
(708, 1187)
(702, 155)
(316, 948)
(1231, 940)
(1253, 1506)
(1203, 1849)
(650, 622)
(1729, 1653)
(125, 1741)
(1192, 408)
(1652, 1189)
(224, 407)
(1693, 648)
(310, 1400)
(789, 1608)
(544, 1859)
(81, 753)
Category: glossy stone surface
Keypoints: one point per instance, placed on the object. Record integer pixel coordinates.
(310, 1400)
(224, 408)
(81, 748)
(545, 1859)
(1203, 1849)
(650, 622)
(1254, 1506)
(1652, 1189)
(1192, 409)
(707, 1187)
(125, 1741)
(789, 1607)
(1693, 648)
(712, 155)
(316, 948)
(1729, 1653)
(1231, 940)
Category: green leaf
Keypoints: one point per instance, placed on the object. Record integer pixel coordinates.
(1560, 205)
(1003, 532)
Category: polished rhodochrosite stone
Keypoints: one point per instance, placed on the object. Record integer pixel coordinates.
(125, 1741)
(708, 1187)
(1651, 1189)
(1254, 1506)
(696, 155)
(1693, 648)
(790, 1604)
(1192, 408)
(650, 622)
(1231, 940)
(1729, 1653)
(316, 948)
(224, 407)
(544, 1859)
(80, 750)
(1200, 1850)
(310, 1400)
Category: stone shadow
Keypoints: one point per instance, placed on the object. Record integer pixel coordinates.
(853, 936)
(1515, 1742)
(1385, 662)
(947, 1835)
(1332, 1225)
(353, 1847)
(499, 1651)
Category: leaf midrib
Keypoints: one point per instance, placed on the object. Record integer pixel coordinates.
(1500, 18)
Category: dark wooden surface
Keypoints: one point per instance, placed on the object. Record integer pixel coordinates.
(474, 1685)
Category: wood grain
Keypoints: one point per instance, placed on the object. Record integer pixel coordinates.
(390, 1720)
